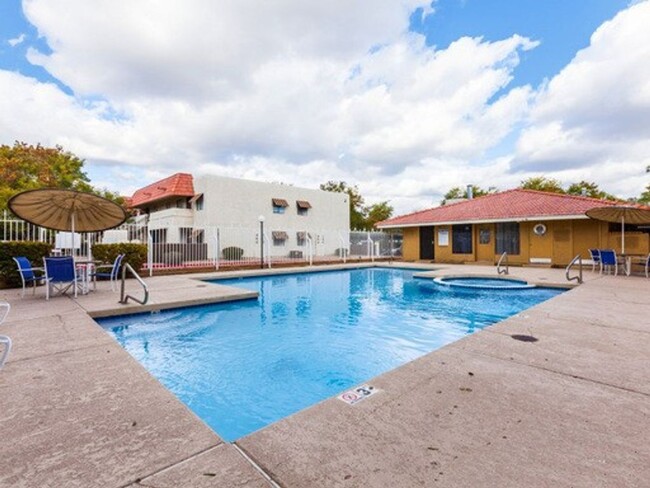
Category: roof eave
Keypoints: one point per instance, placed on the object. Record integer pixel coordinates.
(486, 221)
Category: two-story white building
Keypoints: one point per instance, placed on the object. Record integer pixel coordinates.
(184, 209)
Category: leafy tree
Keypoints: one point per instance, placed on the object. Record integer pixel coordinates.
(357, 209)
(28, 167)
(645, 196)
(542, 183)
(376, 213)
(461, 192)
(589, 189)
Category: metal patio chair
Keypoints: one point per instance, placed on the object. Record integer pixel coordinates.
(5, 341)
(595, 259)
(112, 275)
(60, 275)
(28, 274)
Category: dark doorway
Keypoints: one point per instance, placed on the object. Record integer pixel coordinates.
(426, 243)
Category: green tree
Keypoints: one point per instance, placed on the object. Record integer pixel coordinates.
(355, 200)
(376, 213)
(644, 198)
(589, 189)
(28, 167)
(542, 183)
(461, 192)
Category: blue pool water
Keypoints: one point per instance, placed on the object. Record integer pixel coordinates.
(243, 365)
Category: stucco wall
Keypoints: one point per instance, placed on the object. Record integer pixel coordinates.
(563, 240)
(233, 202)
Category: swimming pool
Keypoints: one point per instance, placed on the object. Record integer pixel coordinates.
(243, 365)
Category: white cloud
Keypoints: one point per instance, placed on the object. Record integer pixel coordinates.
(16, 40)
(305, 92)
(593, 119)
(291, 91)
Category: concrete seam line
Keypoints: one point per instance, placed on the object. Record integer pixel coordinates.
(560, 373)
(266, 476)
(141, 479)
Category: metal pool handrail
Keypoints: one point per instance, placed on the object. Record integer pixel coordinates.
(577, 277)
(124, 298)
(500, 270)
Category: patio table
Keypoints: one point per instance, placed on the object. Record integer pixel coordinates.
(84, 271)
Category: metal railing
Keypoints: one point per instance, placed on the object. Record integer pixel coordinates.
(124, 298)
(577, 277)
(171, 246)
(500, 269)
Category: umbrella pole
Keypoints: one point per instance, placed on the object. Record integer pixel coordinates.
(72, 250)
(623, 234)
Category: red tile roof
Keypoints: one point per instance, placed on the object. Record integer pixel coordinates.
(513, 205)
(177, 185)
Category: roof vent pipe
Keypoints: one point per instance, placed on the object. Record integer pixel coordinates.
(470, 192)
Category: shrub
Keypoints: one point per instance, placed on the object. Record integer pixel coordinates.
(134, 254)
(232, 253)
(34, 251)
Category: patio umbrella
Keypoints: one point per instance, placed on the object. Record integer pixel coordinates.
(625, 214)
(67, 210)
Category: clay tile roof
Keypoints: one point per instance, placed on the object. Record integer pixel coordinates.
(513, 205)
(177, 185)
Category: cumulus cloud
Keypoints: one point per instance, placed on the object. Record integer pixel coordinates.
(302, 93)
(593, 118)
(290, 91)
(16, 40)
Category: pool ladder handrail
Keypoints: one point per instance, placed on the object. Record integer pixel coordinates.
(124, 298)
(577, 277)
(500, 269)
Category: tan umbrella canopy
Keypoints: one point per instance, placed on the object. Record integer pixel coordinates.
(625, 214)
(67, 210)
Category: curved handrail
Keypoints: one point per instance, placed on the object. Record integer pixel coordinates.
(577, 277)
(124, 298)
(500, 270)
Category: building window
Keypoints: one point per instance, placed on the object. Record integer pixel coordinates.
(461, 239)
(279, 238)
(484, 235)
(507, 238)
(301, 238)
(198, 203)
(279, 205)
(303, 207)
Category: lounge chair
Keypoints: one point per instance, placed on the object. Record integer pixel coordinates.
(4, 340)
(28, 274)
(60, 275)
(595, 259)
(608, 259)
(112, 275)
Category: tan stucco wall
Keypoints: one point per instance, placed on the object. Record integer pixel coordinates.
(563, 240)
(411, 244)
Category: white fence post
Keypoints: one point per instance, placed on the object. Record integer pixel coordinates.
(150, 252)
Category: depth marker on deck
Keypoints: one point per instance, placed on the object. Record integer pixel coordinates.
(358, 394)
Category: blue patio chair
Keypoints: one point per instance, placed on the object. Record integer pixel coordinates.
(111, 275)
(28, 274)
(60, 275)
(595, 259)
(608, 260)
(647, 267)
(4, 340)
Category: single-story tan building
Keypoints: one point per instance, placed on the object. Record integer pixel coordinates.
(533, 227)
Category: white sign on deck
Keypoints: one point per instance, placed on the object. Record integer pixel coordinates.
(357, 394)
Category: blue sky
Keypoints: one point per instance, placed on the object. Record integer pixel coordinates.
(443, 94)
(562, 27)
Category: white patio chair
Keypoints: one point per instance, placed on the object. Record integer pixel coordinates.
(4, 340)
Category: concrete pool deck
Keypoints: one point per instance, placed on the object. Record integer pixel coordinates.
(571, 409)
